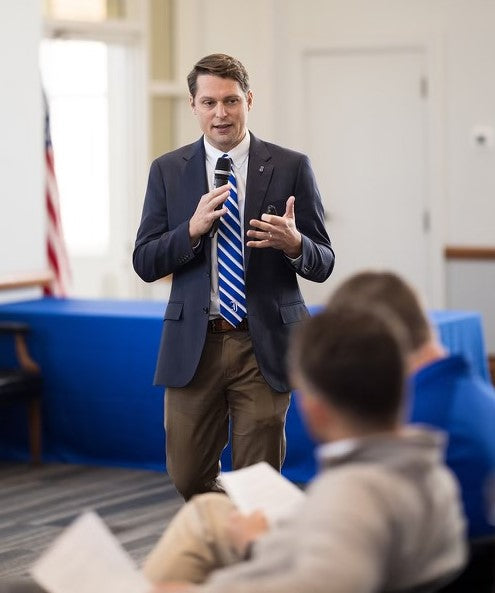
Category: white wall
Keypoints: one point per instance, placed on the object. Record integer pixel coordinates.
(265, 35)
(463, 34)
(460, 40)
(22, 216)
(242, 29)
(471, 287)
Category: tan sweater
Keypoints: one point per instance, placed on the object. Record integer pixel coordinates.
(383, 516)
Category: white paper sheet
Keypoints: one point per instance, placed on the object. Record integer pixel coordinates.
(87, 558)
(260, 487)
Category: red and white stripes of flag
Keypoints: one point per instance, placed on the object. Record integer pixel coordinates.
(58, 261)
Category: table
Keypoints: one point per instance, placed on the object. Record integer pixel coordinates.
(100, 406)
(461, 332)
(97, 359)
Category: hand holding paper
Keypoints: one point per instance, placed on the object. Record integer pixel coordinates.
(261, 488)
(242, 530)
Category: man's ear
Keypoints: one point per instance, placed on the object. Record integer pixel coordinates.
(191, 103)
(316, 413)
(249, 98)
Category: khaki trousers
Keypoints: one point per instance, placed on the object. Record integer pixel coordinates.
(227, 386)
(194, 544)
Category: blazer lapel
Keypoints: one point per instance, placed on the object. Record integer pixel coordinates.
(260, 170)
(194, 178)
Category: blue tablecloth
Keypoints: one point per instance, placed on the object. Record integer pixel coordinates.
(100, 406)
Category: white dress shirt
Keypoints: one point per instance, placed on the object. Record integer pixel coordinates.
(240, 157)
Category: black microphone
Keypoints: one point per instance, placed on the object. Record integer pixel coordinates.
(222, 172)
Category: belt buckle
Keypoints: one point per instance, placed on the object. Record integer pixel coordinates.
(221, 326)
(216, 325)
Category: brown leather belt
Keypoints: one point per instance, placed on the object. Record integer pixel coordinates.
(221, 325)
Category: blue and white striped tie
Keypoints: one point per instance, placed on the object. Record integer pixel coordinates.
(230, 260)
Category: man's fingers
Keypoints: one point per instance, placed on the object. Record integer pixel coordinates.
(219, 213)
(261, 225)
(219, 200)
(219, 190)
(260, 235)
(258, 244)
(289, 207)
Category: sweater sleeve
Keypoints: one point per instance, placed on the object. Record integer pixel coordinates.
(338, 543)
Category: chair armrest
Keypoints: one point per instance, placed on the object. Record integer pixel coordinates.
(19, 331)
(13, 327)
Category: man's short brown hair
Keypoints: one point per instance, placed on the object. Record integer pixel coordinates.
(353, 358)
(218, 65)
(388, 290)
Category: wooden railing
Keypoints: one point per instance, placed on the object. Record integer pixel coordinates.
(26, 280)
(472, 253)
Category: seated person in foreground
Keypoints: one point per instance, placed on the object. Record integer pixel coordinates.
(383, 514)
(445, 393)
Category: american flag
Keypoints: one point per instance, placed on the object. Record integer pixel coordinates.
(58, 262)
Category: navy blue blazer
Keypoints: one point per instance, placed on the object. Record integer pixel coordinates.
(177, 180)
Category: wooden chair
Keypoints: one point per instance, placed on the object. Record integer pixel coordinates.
(23, 384)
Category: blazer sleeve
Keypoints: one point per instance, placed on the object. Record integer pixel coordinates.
(161, 247)
(318, 257)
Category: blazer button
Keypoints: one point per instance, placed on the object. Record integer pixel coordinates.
(206, 310)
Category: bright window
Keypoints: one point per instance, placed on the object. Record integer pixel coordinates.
(75, 80)
(84, 10)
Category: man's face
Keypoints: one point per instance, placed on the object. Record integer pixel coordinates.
(221, 108)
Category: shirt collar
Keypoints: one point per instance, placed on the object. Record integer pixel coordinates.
(380, 445)
(332, 451)
(238, 154)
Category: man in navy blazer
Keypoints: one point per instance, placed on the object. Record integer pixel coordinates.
(217, 373)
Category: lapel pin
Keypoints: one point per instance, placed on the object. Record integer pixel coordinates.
(261, 169)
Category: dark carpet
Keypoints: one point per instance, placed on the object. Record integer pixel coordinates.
(37, 503)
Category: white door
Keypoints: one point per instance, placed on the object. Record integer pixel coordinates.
(366, 126)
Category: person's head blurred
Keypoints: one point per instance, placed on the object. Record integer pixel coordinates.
(348, 365)
(389, 290)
